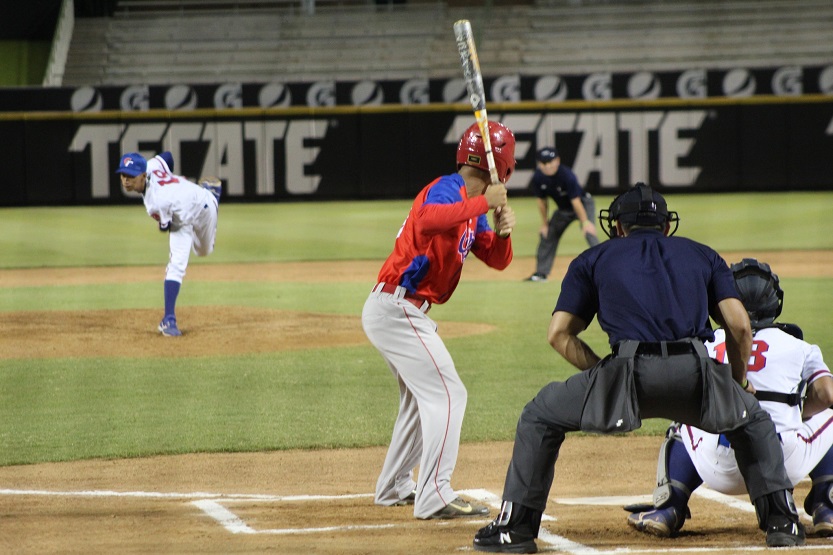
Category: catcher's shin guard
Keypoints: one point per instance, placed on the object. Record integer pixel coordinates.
(664, 492)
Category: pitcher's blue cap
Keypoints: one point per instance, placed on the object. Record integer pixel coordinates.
(132, 164)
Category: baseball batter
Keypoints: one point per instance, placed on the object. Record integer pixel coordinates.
(780, 368)
(181, 208)
(447, 221)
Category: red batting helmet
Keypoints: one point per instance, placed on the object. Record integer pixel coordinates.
(471, 152)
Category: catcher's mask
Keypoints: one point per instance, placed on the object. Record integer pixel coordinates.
(759, 290)
(640, 205)
(472, 152)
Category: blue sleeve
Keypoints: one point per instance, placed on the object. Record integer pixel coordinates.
(578, 293)
(723, 283)
(482, 224)
(445, 191)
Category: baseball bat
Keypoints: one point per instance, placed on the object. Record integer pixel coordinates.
(474, 86)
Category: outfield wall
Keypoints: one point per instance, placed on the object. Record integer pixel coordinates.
(371, 152)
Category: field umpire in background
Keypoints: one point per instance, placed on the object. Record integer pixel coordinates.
(653, 295)
(553, 180)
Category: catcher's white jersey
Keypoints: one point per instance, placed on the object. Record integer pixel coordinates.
(190, 209)
(779, 362)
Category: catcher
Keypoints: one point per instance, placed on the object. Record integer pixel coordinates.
(792, 382)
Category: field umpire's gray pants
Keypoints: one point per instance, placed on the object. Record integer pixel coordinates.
(666, 387)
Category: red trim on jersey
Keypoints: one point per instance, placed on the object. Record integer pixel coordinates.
(817, 433)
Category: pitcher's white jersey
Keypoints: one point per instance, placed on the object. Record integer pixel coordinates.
(172, 198)
(190, 209)
(779, 362)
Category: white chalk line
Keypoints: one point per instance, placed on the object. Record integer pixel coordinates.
(228, 497)
(236, 525)
(210, 504)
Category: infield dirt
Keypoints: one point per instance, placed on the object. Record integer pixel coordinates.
(88, 507)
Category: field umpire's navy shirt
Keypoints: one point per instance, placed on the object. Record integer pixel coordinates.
(562, 186)
(647, 287)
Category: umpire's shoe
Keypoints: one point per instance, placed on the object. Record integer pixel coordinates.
(663, 523)
(783, 532)
(513, 531)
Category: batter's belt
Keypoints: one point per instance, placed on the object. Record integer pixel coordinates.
(399, 292)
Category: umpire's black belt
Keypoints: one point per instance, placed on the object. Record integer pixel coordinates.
(630, 348)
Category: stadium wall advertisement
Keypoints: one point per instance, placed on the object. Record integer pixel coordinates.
(372, 152)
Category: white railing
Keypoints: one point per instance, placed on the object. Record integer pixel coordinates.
(54, 75)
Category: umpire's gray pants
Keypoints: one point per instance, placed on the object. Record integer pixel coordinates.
(666, 388)
(560, 219)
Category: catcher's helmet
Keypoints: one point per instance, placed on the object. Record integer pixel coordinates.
(759, 290)
(471, 152)
(639, 205)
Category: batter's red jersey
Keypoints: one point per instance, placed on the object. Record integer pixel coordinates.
(440, 230)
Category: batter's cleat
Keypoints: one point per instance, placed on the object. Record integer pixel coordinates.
(213, 186)
(823, 521)
(409, 500)
(168, 327)
(536, 277)
(783, 532)
(502, 539)
(663, 523)
(461, 508)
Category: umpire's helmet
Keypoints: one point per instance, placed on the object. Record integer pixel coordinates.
(639, 205)
(759, 290)
(472, 152)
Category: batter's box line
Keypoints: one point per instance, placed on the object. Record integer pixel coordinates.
(236, 525)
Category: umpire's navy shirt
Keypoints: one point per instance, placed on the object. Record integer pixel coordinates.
(647, 287)
(562, 186)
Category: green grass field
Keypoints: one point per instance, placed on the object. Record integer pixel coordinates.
(76, 408)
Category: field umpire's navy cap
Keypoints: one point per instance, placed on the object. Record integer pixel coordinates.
(547, 154)
(132, 164)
